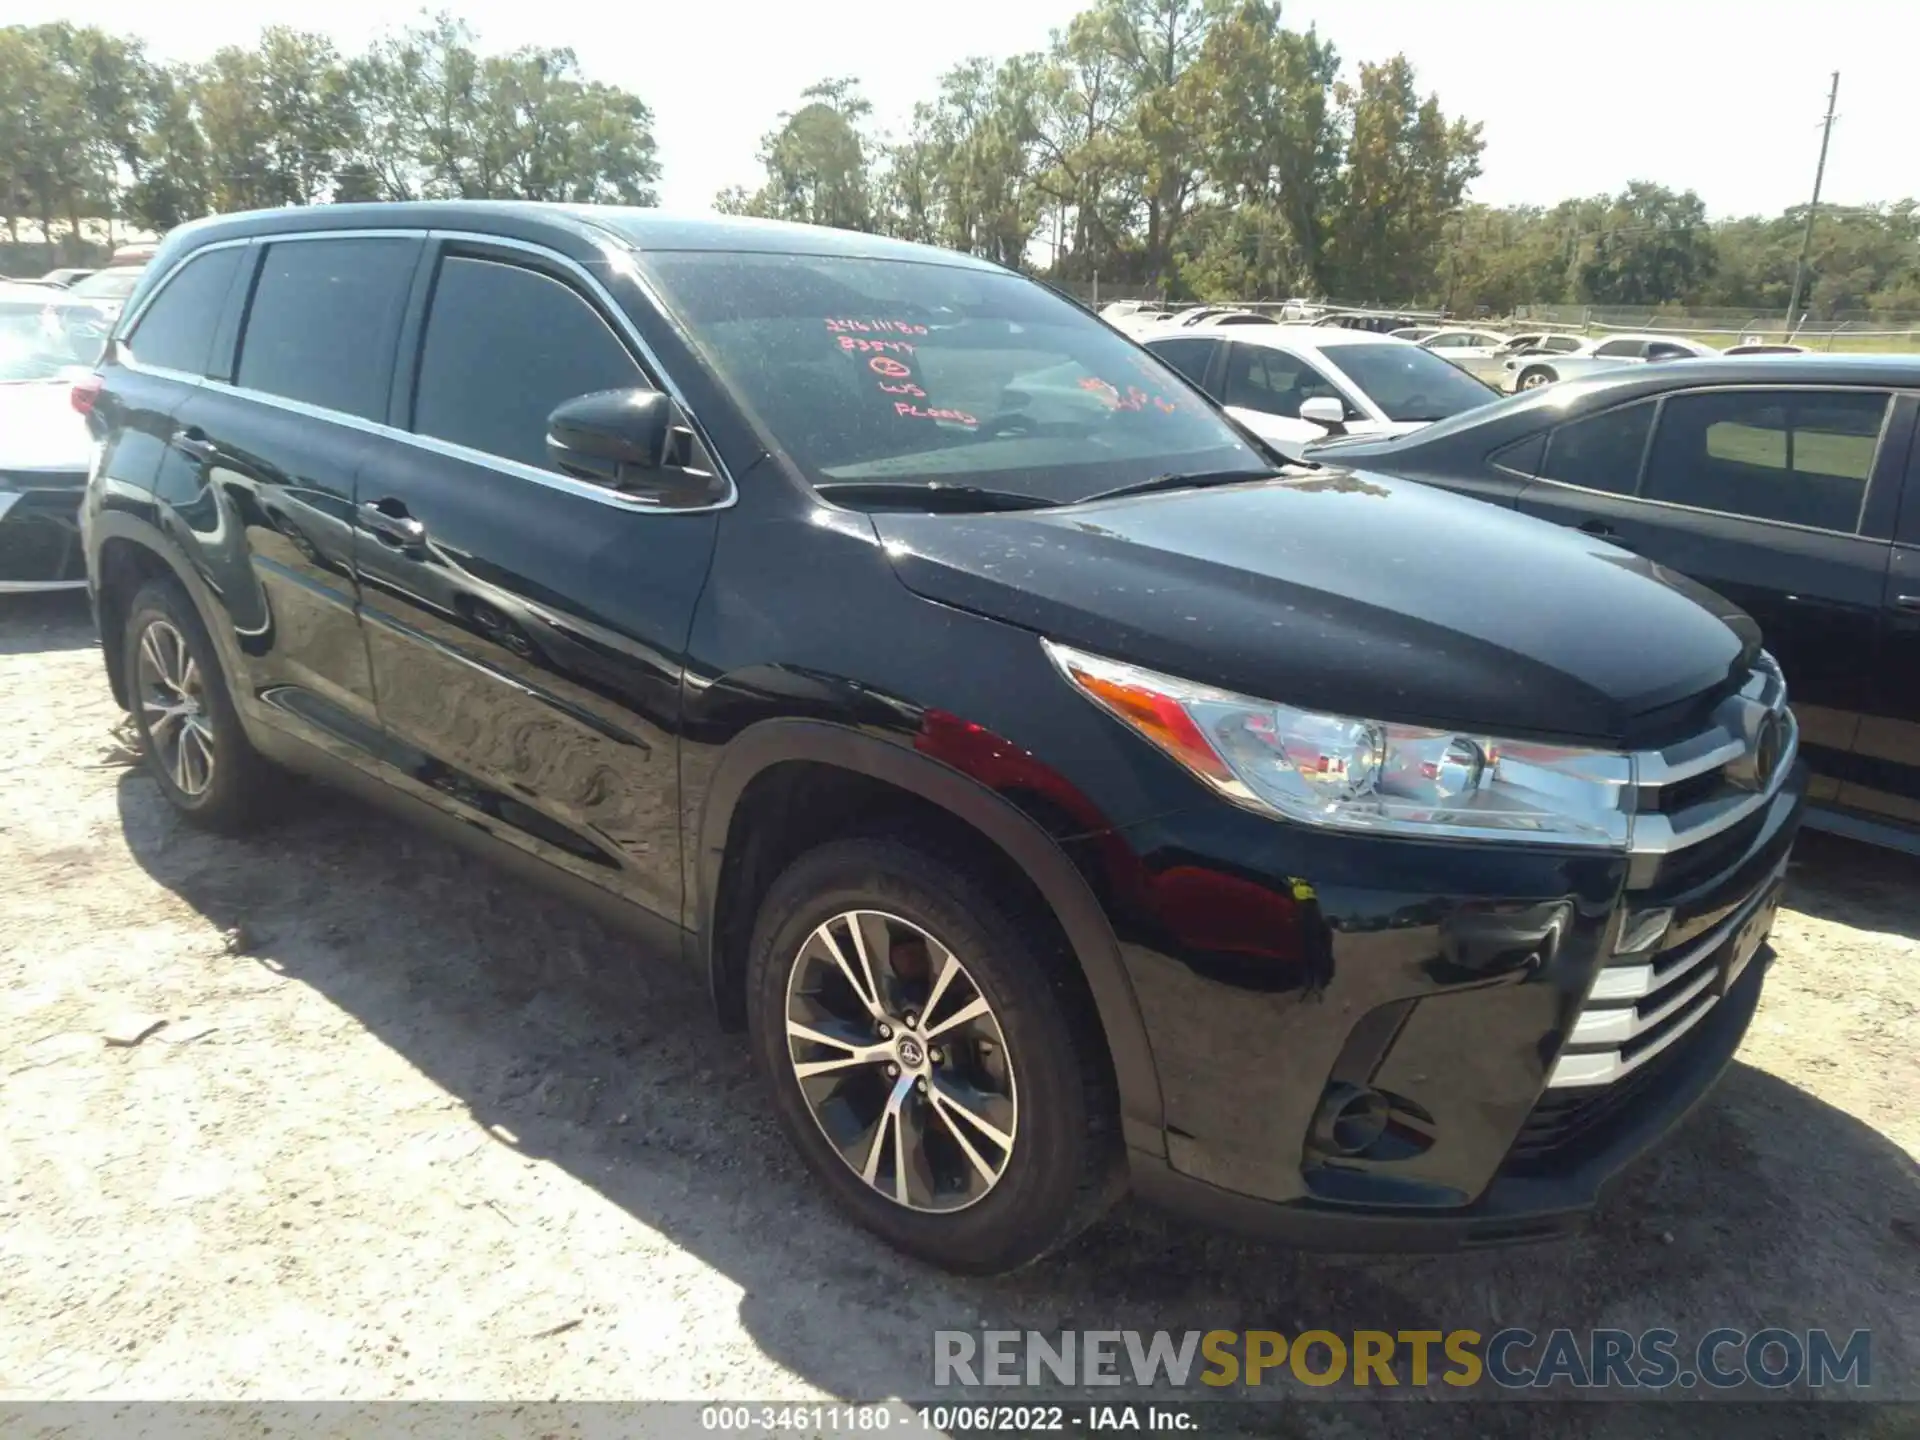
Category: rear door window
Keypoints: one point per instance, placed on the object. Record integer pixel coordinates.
(504, 346)
(1801, 457)
(1192, 358)
(176, 331)
(324, 319)
(1600, 452)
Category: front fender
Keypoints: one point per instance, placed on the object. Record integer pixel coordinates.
(772, 742)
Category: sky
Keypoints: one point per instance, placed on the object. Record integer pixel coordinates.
(1576, 97)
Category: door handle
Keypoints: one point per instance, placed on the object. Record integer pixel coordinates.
(401, 529)
(1598, 528)
(193, 443)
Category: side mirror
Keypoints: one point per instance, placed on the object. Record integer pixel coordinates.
(611, 437)
(1326, 412)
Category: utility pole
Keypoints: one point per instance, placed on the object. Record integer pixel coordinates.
(1806, 238)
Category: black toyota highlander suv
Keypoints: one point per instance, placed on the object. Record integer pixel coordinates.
(1060, 795)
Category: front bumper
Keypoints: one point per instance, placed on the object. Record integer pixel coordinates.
(1516, 1208)
(40, 538)
(1286, 972)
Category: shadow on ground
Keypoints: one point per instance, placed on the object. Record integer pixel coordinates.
(1856, 884)
(1754, 1215)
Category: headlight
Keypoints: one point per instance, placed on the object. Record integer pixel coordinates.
(1366, 775)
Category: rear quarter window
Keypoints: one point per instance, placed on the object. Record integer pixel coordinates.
(175, 332)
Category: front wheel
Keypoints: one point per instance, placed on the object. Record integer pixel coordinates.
(1534, 379)
(930, 1055)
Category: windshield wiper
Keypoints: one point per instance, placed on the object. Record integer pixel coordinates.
(930, 495)
(1198, 480)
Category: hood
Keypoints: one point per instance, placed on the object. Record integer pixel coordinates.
(1347, 592)
(40, 429)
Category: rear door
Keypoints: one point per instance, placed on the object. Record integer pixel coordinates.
(267, 492)
(1759, 493)
(526, 627)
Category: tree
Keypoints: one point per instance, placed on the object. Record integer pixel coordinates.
(278, 120)
(1652, 247)
(1407, 169)
(1270, 141)
(1156, 42)
(974, 149)
(174, 184)
(816, 163)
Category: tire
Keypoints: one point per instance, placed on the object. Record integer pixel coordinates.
(191, 740)
(1033, 1066)
(1534, 379)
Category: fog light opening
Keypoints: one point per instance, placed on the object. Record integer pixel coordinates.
(1351, 1118)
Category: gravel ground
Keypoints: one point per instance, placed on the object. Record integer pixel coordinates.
(411, 1130)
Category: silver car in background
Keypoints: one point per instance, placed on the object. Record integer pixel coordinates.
(1530, 369)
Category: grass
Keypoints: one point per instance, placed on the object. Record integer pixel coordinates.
(1850, 456)
(1905, 344)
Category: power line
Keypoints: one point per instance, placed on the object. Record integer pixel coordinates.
(1813, 208)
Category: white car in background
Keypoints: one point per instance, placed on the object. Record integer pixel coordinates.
(1457, 345)
(1529, 370)
(1291, 384)
(45, 450)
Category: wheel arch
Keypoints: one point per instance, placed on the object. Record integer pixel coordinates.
(128, 553)
(724, 894)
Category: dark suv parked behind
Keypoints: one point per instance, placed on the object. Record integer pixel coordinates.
(1058, 795)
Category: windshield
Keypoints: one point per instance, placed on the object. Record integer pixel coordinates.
(106, 285)
(37, 343)
(1408, 383)
(899, 371)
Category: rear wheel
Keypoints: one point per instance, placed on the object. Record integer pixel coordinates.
(190, 735)
(929, 1055)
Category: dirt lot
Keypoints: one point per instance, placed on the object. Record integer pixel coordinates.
(400, 1136)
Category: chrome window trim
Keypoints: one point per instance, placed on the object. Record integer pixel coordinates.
(623, 326)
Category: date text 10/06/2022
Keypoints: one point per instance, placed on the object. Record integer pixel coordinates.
(945, 1419)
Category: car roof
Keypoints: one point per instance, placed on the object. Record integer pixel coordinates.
(1648, 338)
(639, 228)
(1306, 337)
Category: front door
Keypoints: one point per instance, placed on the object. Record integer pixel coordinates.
(1757, 494)
(1264, 389)
(525, 628)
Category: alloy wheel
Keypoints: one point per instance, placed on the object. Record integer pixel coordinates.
(901, 1061)
(173, 702)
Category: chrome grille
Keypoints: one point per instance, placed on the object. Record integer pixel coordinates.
(1689, 793)
(1639, 1005)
